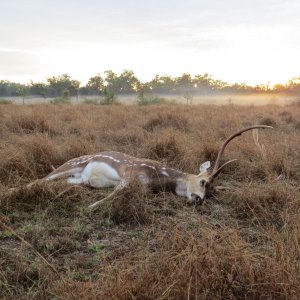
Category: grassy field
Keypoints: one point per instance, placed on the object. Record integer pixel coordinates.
(244, 243)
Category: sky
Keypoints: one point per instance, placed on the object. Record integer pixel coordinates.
(240, 41)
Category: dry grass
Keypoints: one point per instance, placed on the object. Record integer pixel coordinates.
(244, 243)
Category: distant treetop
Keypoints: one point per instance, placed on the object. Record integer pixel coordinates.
(128, 83)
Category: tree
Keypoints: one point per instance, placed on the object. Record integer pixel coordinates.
(111, 81)
(22, 91)
(126, 83)
(279, 88)
(62, 82)
(109, 97)
(9, 89)
(161, 84)
(294, 85)
(204, 83)
(95, 85)
(37, 89)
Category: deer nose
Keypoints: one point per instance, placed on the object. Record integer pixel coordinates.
(197, 200)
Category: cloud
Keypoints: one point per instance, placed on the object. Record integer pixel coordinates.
(17, 62)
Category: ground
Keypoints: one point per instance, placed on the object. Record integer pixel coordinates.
(243, 243)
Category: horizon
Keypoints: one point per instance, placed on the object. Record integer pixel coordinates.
(252, 43)
(103, 76)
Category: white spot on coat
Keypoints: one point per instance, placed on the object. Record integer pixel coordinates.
(107, 156)
(165, 173)
(144, 165)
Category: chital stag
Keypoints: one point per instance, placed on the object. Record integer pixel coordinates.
(115, 169)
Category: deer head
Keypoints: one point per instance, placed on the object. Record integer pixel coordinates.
(202, 185)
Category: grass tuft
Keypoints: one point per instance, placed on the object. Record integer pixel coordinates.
(129, 206)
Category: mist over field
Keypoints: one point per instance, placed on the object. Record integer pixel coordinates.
(126, 88)
(243, 100)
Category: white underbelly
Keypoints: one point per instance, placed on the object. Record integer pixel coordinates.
(100, 174)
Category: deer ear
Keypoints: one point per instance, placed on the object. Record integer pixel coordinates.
(204, 167)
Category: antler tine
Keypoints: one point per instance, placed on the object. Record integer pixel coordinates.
(216, 169)
(222, 167)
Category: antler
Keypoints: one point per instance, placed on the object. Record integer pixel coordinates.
(217, 169)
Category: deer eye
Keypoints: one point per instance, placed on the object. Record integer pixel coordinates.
(202, 182)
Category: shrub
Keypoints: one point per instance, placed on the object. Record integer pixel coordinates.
(60, 101)
(109, 97)
(6, 101)
(150, 100)
(92, 101)
(65, 94)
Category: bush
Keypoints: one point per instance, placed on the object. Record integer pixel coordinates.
(150, 99)
(65, 94)
(5, 101)
(60, 101)
(92, 101)
(109, 97)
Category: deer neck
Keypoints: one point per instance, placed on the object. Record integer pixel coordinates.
(182, 185)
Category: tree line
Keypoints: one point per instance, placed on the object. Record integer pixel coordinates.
(127, 83)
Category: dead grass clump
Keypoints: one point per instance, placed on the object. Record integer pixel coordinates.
(286, 117)
(20, 270)
(167, 204)
(129, 206)
(28, 123)
(268, 121)
(295, 103)
(246, 169)
(163, 120)
(168, 146)
(208, 151)
(13, 165)
(75, 148)
(281, 162)
(126, 137)
(188, 261)
(27, 157)
(297, 125)
(40, 153)
(195, 155)
(58, 198)
(263, 204)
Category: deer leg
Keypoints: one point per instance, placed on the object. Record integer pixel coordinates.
(119, 187)
(73, 180)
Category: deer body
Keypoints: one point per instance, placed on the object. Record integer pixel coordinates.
(115, 169)
(109, 169)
